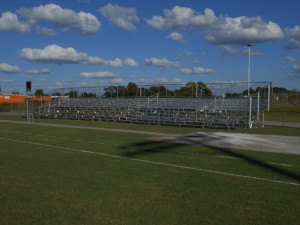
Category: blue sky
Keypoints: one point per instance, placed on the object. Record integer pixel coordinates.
(78, 43)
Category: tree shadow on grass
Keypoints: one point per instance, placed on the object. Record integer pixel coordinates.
(168, 145)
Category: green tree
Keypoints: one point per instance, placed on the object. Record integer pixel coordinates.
(114, 91)
(72, 94)
(279, 90)
(234, 95)
(161, 90)
(56, 94)
(87, 95)
(245, 92)
(203, 89)
(131, 89)
(39, 92)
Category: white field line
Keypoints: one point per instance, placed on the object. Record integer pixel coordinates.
(120, 145)
(227, 157)
(188, 153)
(280, 164)
(235, 158)
(95, 142)
(154, 163)
(46, 136)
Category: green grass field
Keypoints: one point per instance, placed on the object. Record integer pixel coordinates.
(284, 113)
(60, 175)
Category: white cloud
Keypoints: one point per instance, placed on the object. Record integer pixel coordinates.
(222, 30)
(130, 62)
(37, 72)
(296, 67)
(228, 50)
(252, 52)
(120, 16)
(117, 81)
(182, 18)
(196, 70)
(59, 55)
(114, 63)
(176, 36)
(86, 84)
(161, 80)
(6, 68)
(93, 60)
(10, 22)
(293, 37)
(67, 19)
(291, 59)
(195, 62)
(59, 84)
(186, 71)
(6, 81)
(242, 31)
(177, 80)
(295, 70)
(53, 54)
(200, 70)
(45, 31)
(99, 75)
(164, 63)
(186, 53)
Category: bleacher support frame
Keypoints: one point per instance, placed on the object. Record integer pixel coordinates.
(209, 112)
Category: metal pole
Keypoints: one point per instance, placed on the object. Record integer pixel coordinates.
(27, 109)
(249, 71)
(258, 105)
(269, 95)
(250, 112)
(140, 91)
(215, 102)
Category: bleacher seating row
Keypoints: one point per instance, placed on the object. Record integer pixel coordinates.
(197, 112)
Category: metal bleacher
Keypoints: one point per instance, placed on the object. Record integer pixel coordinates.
(211, 112)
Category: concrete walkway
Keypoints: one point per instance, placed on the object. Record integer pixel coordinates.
(257, 142)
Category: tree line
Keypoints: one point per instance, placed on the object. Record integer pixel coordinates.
(190, 89)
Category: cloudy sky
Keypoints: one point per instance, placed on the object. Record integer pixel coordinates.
(79, 43)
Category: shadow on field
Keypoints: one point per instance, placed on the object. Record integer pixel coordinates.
(167, 145)
(150, 147)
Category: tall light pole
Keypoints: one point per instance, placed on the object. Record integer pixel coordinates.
(249, 71)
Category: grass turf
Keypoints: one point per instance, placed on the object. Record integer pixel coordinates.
(157, 128)
(284, 113)
(44, 180)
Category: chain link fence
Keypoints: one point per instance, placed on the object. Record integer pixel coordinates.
(286, 98)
